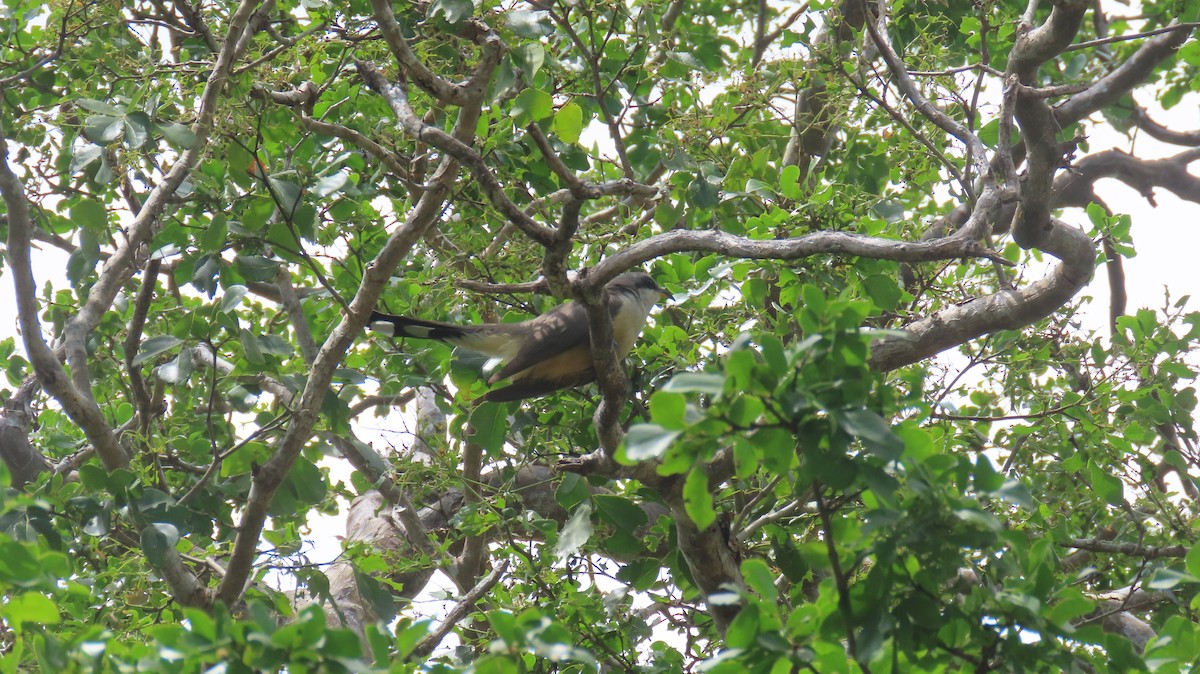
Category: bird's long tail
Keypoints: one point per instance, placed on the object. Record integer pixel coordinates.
(491, 339)
(403, 326)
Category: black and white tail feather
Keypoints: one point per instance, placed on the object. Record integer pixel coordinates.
(546, 353)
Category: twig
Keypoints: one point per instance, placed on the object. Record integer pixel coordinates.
(459, 611)
(839, 577)
(1133, 36)
(749, 507)
(1131, 549)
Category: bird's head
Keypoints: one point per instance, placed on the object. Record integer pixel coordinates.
(639, 286)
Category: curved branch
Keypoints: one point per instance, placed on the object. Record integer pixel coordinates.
(441, 89)
(1039, 129)
(1075, 188)
(1134, 71)
(396, 96)
(976, 150)
(50, 373)
(1131, 549)
(961, 244)
(1157, 131)
(1004, 310)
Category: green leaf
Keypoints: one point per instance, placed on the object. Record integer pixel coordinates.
(489, 422)
(251, 348)
(179, 135)
(1193, 560)
(137, 129)
(760, 578)
(1069, 605)
(575, 532)
(668, 409)
(154, 346)
(568, 123)
(286, 195)
(1016, 493)
(103, 130)
(274, 344)
(697, 500)
(157, 540)
(644, 442)
(789, 182)
(90, 213)
(408, 637)
(1167, 579)
(620, 511)
(986, 477)
(305, 484)
(232, 298)
(530, 24)
(178, 370)
(883, 291)
(1106, 486)
(688, 60)
(257, 267)
(29, 607)
(572, 491)
(452, 11)
(532, 105)
(777, 447)
(330, 184)
(529, 57)
(84, 156)
(711, 383)
(875, 433)
(703, 193)
(99, 107)
(212, 239)
(1098, 216)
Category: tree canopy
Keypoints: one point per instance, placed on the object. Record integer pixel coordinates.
(203, 202)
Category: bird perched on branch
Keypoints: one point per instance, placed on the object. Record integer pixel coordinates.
(543, 354)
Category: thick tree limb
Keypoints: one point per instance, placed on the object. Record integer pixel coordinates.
(50, 373)
(1039, 132)
(1171, 173)
(24, 462)
(1004, 310)
(817, 243)
(1134, 71)
(1142, 119)
(448, 92)
(712, 561)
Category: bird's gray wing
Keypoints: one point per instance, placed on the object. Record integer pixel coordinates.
(551, 334)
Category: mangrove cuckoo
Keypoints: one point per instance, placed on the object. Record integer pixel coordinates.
(543, 354)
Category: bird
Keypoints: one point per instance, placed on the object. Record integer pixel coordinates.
(546, 353)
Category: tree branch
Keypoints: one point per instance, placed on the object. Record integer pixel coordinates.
(962, 244)
(1131, 549)
(1109, 89)
(459, 611)
(50, 373)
